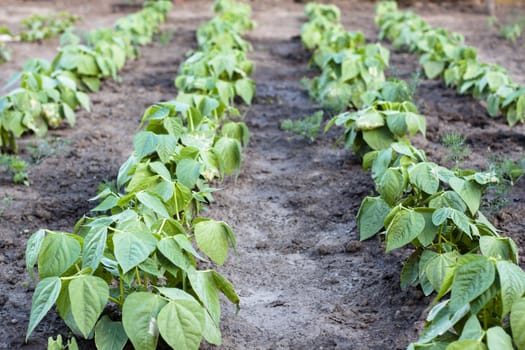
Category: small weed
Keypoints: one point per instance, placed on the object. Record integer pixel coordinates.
(458, 150)
(16, 167)
(166, 36)
(508, 174)
(307, 127)
(45, 149)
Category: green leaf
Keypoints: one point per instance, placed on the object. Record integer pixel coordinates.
(89, 295)
(469, 191)
(229, 153)
(94, 245)
(246, 89)
(497, 247)
(378, 139)
(144, 143)
(433, 68)
(403, 228)
(139, 318)
(132, 248)
(152, 202)
(226, 287)
(498, 339)
(392, 185)
(188, 172)
(57, 254)
(46, 294)
(460, 220)
(472, 329)
(424, 177)
(213, 238)
(181, 323)
(517, 323)
(512, 284)
(371, 216)
(410, 271)
(173, 252)
(110, 335)
(470, 281)
(34, 243)
(438, 268)
(430, 231)
(467, 345)
(206, 290)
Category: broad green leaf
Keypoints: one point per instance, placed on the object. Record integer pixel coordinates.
(442, 319)
(517, 323)
(89, 296)
(438, 268)
(229, 153)
(144, 143)
(154, 203)
(433, 68)
(378, 139)
(181, 323)
(46, 294)
(213, 238)
(57, 254)
(371, 216)
(392, 185)
(512, 284)
(32, 249)
(430, 231)
(94, 245)
(470, 281)
(498, 339)
(110, 335)
(369, 120)
(469, 191)
(132, 248)
(173, 252)
(246, 89)
(188, 172)
(424, 177)
(403, 228)
(497, 247)
(211, 331)
(139, 318)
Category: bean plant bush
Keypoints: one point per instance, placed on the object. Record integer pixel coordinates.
(457, 252)
(139, 265)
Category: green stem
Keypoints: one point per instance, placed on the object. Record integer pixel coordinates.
(137, 275)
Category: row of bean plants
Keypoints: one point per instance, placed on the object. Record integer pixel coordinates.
(457, 252)
(50, 92)
(443, 54)
(145, 254)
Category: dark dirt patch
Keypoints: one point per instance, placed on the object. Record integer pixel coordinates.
(304, 280)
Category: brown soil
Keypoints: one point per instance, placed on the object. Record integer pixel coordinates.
(304, 280)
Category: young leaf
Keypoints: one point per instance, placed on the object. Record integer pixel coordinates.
(152, 202)
(46, 294)
(89, 295)
(230, 156)
(94, 245)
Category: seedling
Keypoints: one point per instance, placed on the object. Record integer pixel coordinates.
(308, 127)
(458, 151)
